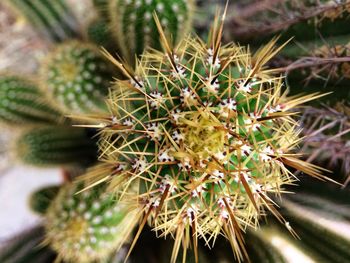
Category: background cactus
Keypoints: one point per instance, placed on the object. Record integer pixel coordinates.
(87, 226)
(22, 102)
(134, 28)
(327, 132)
(207, 132)
(77, 78)
(51, 18)
(55, 145)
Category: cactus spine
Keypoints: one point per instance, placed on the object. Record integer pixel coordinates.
(77, 78)
(21, 102)
(134, 28)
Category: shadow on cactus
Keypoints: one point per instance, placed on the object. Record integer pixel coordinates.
(207, 133)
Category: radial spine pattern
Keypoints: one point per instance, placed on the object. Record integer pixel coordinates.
(207, 132)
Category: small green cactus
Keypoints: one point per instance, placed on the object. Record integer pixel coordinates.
(53, 19)
(87, 226)
(54, 145)
(77, 78)
(134, 28)
(206, 130)
(22, 102)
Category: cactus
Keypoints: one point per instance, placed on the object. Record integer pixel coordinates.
(54, 145)
(53, 19)
(87, 226)
(207, 132)
(21, 102)
(134, 28)
(77, 78)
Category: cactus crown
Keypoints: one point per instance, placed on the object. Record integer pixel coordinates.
(206, 131)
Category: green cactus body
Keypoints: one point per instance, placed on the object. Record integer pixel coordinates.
(77, 78)
(134, 28)
(52, 18)
(55, 145)
(206, 131)
(87, 226)
(22, 102)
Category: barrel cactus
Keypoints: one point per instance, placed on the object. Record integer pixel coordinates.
(22, 102)
(87, 226)
(134, 28)
(207, 131)
(77, 78)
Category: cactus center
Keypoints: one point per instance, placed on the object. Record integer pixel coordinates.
(203, 134)
(76, 229)
(68, 70)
